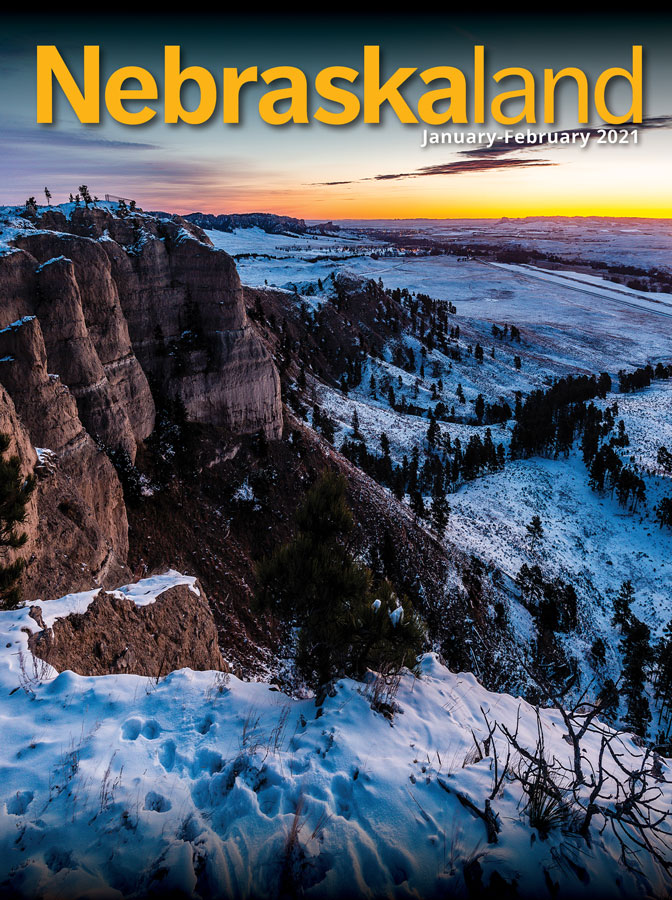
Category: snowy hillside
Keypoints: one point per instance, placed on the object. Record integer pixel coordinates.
(510, 330)
(207, 786)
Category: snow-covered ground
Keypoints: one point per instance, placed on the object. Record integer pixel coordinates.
(589, 539)
(207, 786)
(570, 323)
(645, 243)
(571, 320)
(124, 786)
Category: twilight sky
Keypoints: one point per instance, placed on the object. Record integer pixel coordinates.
(317, 171)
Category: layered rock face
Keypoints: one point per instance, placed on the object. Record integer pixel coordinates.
(78, 530)
(116, 636)
(158, 302)
(94, 308)
(184, 306)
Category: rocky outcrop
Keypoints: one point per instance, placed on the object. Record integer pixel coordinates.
(87, 340)
(115, 635)
(184, 306)
(268, 222)
(157, 302)
(21, 446)
(79, 531)
(94, 307)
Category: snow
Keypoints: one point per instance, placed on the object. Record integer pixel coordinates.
(118, 785)
(50, 262)
(141, 593)
(396, 615)
(17, 324)
(569, 323)
(660, 303)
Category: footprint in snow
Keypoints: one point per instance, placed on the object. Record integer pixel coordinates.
(157, 802)
(19, 803)
(133, 728)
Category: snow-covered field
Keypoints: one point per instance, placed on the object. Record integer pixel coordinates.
(576, 321)
(589, 539)
(205, 786)
(570, 323)
(645, 243)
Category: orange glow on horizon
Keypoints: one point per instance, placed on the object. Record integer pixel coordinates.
(433, 208)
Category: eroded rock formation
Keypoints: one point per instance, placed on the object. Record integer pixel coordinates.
(115, 635)
(93, 309)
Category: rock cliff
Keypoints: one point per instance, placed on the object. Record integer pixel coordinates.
(95, 308)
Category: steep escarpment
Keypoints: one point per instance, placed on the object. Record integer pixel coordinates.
(184, 306)
(93, 309)
(79, 529)
(159, 303)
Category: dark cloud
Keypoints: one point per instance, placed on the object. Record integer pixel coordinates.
(54, 138)
(461, 167)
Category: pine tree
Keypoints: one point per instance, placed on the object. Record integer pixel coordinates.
(479, 408)
(636, 651)
(535, 530)
(344, 620)
(440, 510)
(664, 459)
(664, 512)
(355, 424)
(417, 502)
(622, 612)
(15, 491)
(433, 432)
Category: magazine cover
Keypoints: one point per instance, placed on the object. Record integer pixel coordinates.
(335, 456)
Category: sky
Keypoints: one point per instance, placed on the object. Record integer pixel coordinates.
(355, 171)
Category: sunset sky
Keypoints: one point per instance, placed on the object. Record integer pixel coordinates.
(318, 171)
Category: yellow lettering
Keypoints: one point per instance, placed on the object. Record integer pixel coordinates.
(326, 88)
(551, 80)
(479, 84)
(635, 79)
(376, 94)
(527, 93)
(457, 111)
(115, 94)
(175, 78)
(50, 65)
(296, 93)
(232, 84)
